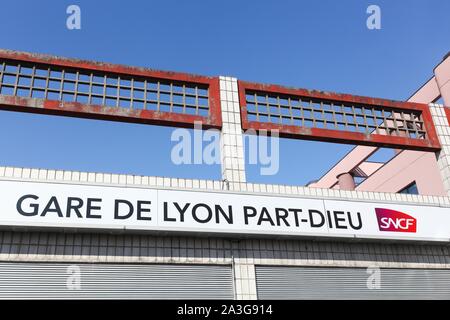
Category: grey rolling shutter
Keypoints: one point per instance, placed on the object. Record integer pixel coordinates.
(115, 281)
(275, 282)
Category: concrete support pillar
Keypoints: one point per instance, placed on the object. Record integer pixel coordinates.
(232, 148)
(346, 181)
(443, 132)
(244, 281)
(442, 75)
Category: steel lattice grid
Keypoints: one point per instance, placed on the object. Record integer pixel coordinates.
(104, 89)
(313, 113)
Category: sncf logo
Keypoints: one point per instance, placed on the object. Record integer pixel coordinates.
(391, 220)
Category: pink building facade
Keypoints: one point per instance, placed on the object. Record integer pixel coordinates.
(407, 167)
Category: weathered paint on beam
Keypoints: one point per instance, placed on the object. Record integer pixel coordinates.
(338, 136)
(79, 110)
(75, 109)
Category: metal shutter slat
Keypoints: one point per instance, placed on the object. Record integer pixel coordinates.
(279, 282)
(107, 281)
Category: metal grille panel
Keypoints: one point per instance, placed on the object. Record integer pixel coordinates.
(350, 283)
(306, 112)
(109, 281)
(331, 117)
(110, 90)
(96, 88)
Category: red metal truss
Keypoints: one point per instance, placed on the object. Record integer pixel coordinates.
(19, 93)
(387, 117)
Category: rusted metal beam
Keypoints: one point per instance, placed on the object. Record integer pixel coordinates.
(428, 143)
(78, 110)
(95, 111)
(424, 137)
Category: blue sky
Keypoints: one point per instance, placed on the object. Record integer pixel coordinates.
(309, 44)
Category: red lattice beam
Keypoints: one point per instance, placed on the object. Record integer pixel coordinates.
(59, 86)
(340, 118)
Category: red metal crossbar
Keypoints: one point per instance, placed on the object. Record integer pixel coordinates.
(45, 84)
(341, 118)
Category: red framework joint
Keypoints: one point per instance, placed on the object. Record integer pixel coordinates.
(75, 109)
(338, 136)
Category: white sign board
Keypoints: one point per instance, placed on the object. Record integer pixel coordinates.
(33, 204)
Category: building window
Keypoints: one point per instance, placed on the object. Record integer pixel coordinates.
(410, 189)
